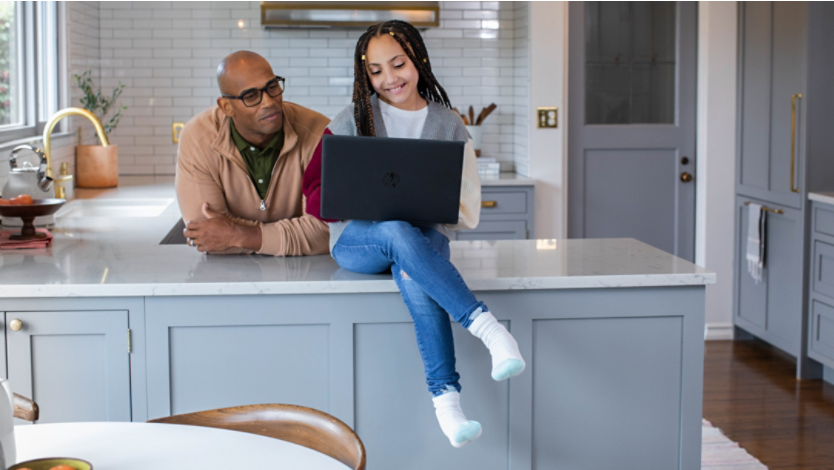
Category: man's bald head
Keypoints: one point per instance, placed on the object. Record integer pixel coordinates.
(237, 66)
(245, 72)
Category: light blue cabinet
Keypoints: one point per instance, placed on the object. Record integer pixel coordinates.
(821, 288)
(507, 213)
(784, 146)
(74, 364)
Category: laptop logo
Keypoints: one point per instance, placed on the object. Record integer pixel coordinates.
(391, 180)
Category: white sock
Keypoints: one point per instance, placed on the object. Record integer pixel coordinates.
(506, 358)
(453, 422)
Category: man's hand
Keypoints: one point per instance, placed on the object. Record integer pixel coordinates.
(217, 233)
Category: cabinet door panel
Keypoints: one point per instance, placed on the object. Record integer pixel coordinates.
(822, 330)
(3, 371)
(75, 365)
(772, 69)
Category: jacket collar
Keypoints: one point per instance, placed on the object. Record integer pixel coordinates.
(224, 144)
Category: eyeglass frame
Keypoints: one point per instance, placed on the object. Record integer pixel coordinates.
(281, 80)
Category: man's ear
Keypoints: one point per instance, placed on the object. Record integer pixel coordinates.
(226, 106)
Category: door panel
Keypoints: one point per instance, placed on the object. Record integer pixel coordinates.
(622, 183)
(75, 365)
(632, 121)
(772, 54)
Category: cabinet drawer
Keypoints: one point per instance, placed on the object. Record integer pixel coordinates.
(823, 281)
(503, 230)
(503, 203)
(822, 329)
(823, 220)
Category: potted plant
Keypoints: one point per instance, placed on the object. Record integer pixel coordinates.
(97, 166)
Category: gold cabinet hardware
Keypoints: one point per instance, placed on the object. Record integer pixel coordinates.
(775, 211)
(793, 141)
(16, 325)
(489, 203)
(686, 177)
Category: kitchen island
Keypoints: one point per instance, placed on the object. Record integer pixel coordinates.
(612, 332)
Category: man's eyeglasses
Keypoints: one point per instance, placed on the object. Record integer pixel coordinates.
(253, 96)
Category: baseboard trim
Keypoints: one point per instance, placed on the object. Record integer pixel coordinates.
(718, 331)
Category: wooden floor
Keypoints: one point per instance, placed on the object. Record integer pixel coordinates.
(751, 393)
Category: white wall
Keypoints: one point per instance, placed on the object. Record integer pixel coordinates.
(548, 87)
(715, 174)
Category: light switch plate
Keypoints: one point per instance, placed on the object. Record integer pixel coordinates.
(547, 117)
(176, 128)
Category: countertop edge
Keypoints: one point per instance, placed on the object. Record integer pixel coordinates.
(827, 198)
(348, 287)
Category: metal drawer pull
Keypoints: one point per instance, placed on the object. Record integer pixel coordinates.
(793, 141)
(489, 203)
(16, 325)
(775, 211)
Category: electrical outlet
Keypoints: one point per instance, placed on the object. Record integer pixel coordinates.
(547, 117)
(176, 128)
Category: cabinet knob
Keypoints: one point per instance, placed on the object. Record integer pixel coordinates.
(16, 325)
(686, 177)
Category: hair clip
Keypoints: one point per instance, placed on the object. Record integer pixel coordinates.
(425, 59)
(391, 32)
(363, 57)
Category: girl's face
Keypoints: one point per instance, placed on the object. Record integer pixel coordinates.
(393, 75)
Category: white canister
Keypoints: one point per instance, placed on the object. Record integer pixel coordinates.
(475, 133)
(7, 423)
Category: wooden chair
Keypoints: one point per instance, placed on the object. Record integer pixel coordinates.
(25, 408)
(300, 425)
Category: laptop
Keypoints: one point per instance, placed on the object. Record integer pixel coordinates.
(379, 178)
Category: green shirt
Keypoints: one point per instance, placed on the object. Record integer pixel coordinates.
(259, 162)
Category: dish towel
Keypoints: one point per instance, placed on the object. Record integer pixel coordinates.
(756, 229)
(6, 244)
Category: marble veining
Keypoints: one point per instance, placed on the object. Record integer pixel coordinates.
(107, 256)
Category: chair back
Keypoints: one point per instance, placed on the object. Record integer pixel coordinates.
(300, 425)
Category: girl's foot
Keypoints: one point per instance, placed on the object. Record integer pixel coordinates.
(506, 358)
(452, 421)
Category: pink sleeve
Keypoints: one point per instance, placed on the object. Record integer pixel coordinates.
(311, 183)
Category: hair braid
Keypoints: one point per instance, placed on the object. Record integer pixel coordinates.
(412, 43)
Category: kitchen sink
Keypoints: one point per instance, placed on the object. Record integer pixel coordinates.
(118, 208)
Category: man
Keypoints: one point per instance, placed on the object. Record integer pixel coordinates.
(240, 165)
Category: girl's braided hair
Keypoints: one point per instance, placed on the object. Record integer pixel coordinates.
(412, 43)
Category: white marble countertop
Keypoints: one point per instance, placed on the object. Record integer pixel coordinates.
(508, 179)
(121, 256)
(827, 198)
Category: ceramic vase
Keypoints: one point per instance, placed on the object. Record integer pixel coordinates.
(475, 133)
(96, 166)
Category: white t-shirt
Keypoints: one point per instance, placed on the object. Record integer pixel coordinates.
(403, 124)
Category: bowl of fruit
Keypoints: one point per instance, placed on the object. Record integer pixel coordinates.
(27, 209)
(56, 463)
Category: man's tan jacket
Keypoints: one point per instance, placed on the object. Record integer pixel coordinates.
(210, 169)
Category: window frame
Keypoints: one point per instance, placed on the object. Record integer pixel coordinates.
(44, 90)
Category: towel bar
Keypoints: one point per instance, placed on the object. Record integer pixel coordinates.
(775, 211)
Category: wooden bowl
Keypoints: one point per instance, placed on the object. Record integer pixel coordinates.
(46, 464)
(27, 213)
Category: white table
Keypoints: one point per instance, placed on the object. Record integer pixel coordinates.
(144, 446)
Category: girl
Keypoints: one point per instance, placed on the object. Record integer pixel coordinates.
(395, 94)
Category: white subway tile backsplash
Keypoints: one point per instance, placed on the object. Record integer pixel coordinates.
(167, 56)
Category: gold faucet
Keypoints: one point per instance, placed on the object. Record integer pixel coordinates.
(50, 125)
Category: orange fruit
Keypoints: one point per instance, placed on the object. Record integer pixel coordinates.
(62, 467)
(4, 202)
(22, 200)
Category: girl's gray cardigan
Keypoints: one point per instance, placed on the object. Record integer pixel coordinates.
(441, 124)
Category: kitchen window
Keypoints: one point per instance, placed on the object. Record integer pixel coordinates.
(29, 67)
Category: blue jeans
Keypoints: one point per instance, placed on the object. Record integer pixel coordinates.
(429, 283)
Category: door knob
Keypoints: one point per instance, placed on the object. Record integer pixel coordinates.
(16, 325)
(686, 177)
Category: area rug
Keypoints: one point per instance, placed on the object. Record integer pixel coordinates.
(718, 452)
